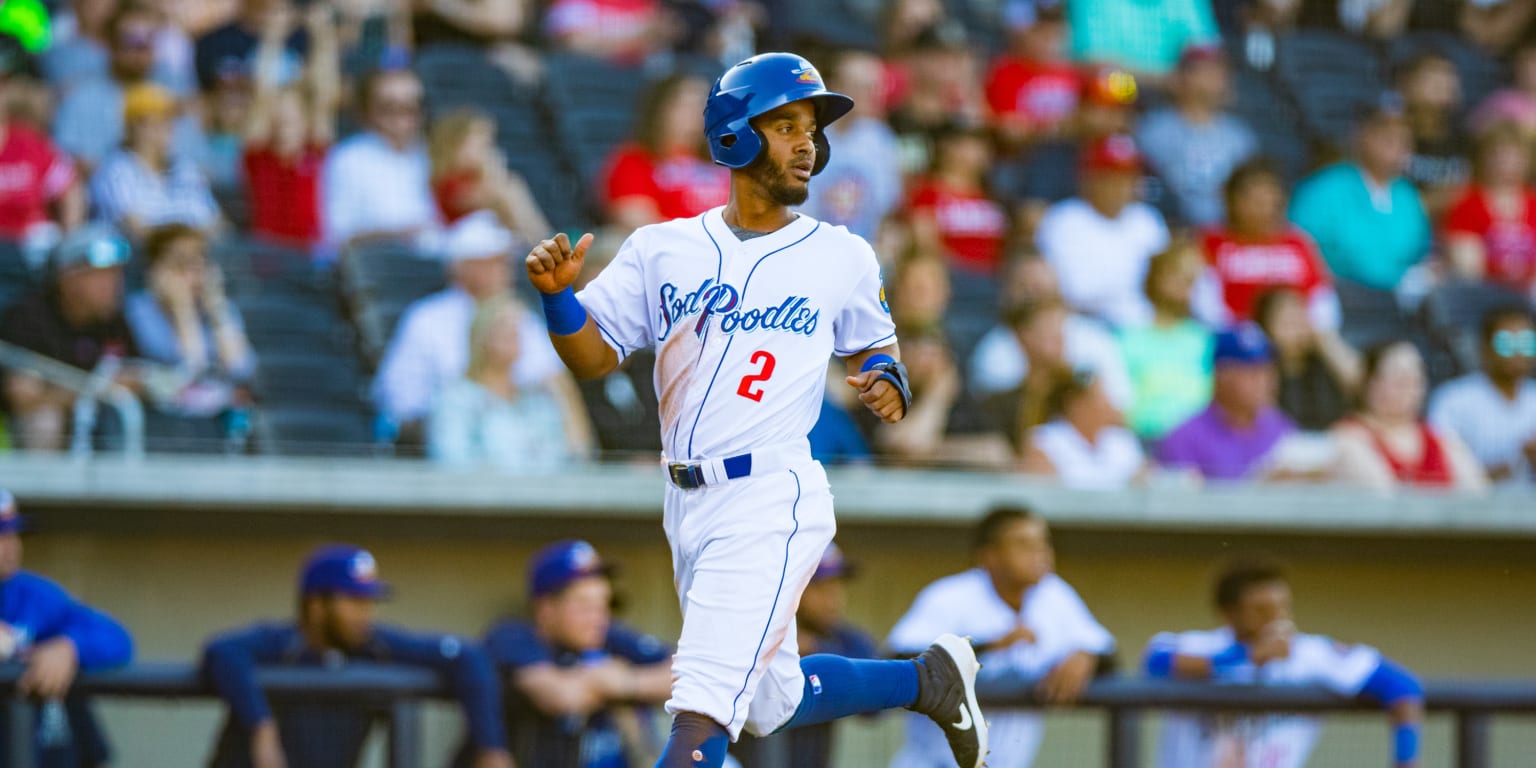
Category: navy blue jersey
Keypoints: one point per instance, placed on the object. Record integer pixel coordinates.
(809, 747)
(330, 735)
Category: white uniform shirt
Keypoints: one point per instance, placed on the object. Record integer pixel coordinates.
(1213, 740)
(367, 186)
(1109, 464)
(1100, 262)
(968, 605)
(742, 329)
(1493, 427)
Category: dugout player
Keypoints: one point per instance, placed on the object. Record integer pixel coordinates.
(744, 304)
(1028, 625)
(338, 588)
(1258, 644)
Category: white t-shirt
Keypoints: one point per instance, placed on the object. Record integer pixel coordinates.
(968, 605)
(999, 364)
(1108, 464)
(742, 329)
(366, 185)
(1214, 740)
(1101, 262)
(1493, 427)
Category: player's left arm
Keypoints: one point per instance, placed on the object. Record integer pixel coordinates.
(1402, 696)
(881, 380)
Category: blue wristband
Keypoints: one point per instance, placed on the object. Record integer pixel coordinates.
(1230, 659)
(1405, 743)
(875, 360)
(563, 313)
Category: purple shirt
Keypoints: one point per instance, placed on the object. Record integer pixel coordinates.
(1209, 443)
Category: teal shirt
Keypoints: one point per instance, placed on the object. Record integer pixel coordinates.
(1361, 242)
(1140, 35)
(1170, 370)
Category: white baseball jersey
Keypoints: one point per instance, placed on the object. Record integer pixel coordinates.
(1213, 740)
(743, 329)
(968, 605)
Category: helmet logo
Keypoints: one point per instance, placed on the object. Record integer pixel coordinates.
(806, 75)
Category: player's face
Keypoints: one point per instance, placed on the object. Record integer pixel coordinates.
(1022, 554)
(823, 605)
(348, 620)
(783, 171)
(578, 617)
(10, 555)
(1260, 606)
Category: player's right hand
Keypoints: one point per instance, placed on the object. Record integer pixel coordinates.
(266, 747)
(554, 264)
(1273, 643)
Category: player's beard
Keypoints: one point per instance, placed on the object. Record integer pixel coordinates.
(775, 181)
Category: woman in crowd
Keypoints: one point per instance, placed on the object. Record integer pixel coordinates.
(1085, 445)
(1318, 371)
(952, 211)
(470, 174)
(665, 173)
(1490, 231)
(1169, 359)
(1387, 444)
(142, 185)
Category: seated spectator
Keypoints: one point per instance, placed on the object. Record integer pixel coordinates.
(1379, 19)
(376, 184)
(1365, 217)
(1145, 38)
(1258, 250)
(232, 51)
(625, 31)
(1431, 90)
(1497, 26)
(1032, 90)
(1258, 644)
(1168, 359)
(470, 174)
(54, 637)
(1318, 371)
(1194, 144)
(79, 51)
(1085, 444)
(919, 296)
(860, 186)
(1100, 243)
(939, 85)
(665, 173)
(1493, 410)
(76, 319)
(573, 673)
(142, 185)
(288, 131)
(952, 211)
(337, 591)
(479, 23)
(1516, 102)
(1387, 444)
(1490, 232)
(1048, 172)
(40, 190)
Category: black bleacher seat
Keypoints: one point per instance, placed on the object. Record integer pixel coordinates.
(16, 276)
(1370, 315)
(278, 322)
(1274, 118)
(378, 281)
(307, 377)
(1453, 313)
(314, 431)
(462, 76)
(1331, 77)
(593, 104)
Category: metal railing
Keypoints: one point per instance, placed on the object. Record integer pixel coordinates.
(92, 388)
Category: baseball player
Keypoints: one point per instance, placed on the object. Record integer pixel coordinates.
(338, 587)
(744, 305)
(1260, 645)
(1028, 626)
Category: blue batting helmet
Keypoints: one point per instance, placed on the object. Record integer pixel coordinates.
(759, 85)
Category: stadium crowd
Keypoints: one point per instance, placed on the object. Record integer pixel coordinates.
(1235, 240)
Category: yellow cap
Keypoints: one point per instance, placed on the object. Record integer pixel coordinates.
(147, 100)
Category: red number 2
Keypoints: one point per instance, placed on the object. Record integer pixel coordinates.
(749, 381)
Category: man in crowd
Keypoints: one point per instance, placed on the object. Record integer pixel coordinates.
(337, 591)
(40, 192)
(1493, 410)
(861, 185)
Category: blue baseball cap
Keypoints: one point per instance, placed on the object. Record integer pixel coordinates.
(342, 569)
(833, 565)
(559, 564)
(11, 520)
(1244, 344)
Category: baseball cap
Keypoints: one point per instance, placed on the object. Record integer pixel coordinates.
(559, 564)
(11, 520)
(96, 246)
(1116, 152)
(833, 564)
(479, 235)
(343, 569)
(1110, 87)
(1244, 344)
(147, 100)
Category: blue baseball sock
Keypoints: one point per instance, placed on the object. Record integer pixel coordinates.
(837, 687)
(696, 742)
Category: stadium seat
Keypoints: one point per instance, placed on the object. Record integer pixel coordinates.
(1453, 313)
(462, 76)
(16, 276)
(593, 104)
(1274, 118)
(311, 431)
(1370, 315)
(308, 378)
(1331, 77)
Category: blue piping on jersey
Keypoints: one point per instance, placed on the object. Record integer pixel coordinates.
(719, 270)
(745, 285)
(623, 353)
(783, 572)
(875, 345)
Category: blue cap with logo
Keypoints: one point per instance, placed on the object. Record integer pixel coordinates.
(559, 564)
(1244, 344)
(11, 520)
(342, 569)
(833, 565)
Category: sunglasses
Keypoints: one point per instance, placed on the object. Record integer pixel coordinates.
(1514, 343)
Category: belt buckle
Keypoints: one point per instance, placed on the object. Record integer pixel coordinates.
(686, 476)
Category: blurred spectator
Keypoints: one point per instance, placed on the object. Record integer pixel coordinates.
(1516, 102)
(1318, 371)
(479, 23)
(1380, 19)
(377, 183)
(1029, 628)
(430, 349)
(337, 592)
(175, 61)
(1431, 90)
(1497, 25)
(1258, 250)
(919, 296)
(1100, 243)
(573, 673)
(230, 53)
(836, 438)
(53, 637)
(1494, 410)
(939, 86)
(1146, 38)
(952, 211)
(1168, 359)
(183, 320)
(1085, 444)
(289, 130)
(1032, 90)
(860, 186)
(666, 172)
(142, 185)
(1490, 232)
(906, 20)
(486, 420)
(626, 31)
(1367, 218)
(470, 174)
(40, 191)
(76, 319)
(1387, 444)
(1194, 144)
(81, 38)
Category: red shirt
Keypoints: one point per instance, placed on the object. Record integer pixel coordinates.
(1248, 268)
(972, 226)
(1509, 244)
(450, 192)
(284, 195)
(681, 186)
(1033, 93)
(33, 173)
(1433, 467)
